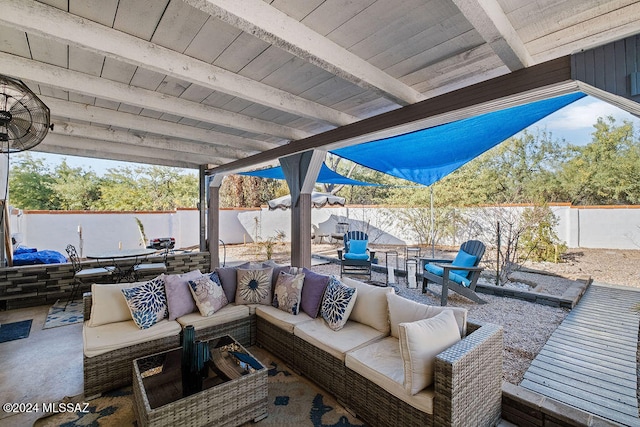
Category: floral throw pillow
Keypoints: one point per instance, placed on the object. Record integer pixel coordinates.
(337, 303)
(288, 292)
(254, 286)
(208, 294)
(147, 303)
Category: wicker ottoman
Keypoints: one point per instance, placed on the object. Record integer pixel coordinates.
(231, 395)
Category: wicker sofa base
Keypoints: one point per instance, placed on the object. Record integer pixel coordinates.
(114, 369)
(467, 381)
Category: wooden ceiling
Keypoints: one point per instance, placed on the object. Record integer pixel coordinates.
(207, 82)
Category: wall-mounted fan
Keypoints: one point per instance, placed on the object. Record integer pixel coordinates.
(24, 119)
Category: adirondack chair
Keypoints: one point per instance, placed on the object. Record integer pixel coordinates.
(459, 275)
(355, 258)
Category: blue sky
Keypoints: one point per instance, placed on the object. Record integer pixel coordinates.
(573, 123)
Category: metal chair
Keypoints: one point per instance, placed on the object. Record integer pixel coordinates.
(80, 274)
(148, 268)
(355, 263)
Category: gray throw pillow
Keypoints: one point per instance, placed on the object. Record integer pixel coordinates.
(179, 298)
(312, 292)
(228, 278)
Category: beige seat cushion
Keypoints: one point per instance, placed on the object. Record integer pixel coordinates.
(113, 336)
(420, 343)
(352, 336)
(380, 363)
(282, 319)
(228, 313)
(404, 310)
(371, 306)
(108, 304)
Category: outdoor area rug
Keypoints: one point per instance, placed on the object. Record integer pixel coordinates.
(15, 330)
(293, 401)
(58, 317)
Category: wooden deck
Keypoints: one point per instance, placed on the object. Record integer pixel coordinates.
(590, 360)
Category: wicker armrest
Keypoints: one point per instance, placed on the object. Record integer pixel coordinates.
(87, 301)
(468, 379)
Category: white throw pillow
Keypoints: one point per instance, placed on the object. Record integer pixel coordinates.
(371, 306)
(420, 343)
(108, 305)
(404, 310)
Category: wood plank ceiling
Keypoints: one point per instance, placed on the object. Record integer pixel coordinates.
(191, 82)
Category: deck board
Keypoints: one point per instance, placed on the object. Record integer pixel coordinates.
(589, 362)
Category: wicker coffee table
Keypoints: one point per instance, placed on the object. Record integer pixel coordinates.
(233, 392)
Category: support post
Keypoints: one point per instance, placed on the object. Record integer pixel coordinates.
(301, 171)
(202, 203)
(214, 220)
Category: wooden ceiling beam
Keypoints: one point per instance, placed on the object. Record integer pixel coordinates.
(97, 149)
(242, 147)
(488, 18)
(74, 81)
(552, 78)
(264, 21)
(80, 130)
(50, 22)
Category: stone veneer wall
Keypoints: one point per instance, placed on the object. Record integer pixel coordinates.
(33, 285)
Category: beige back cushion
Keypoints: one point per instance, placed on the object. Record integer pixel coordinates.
(404, 310)
(420, 343)
(108, 305)
(371, 306)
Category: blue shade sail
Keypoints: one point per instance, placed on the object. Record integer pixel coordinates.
(326, 176)
(428, 155)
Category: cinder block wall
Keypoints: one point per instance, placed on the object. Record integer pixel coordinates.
(33, 285)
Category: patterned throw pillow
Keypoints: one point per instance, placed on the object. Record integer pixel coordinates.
(208, 294)
(254, 286)
(337, 303)
(288, 292)
(147, 303)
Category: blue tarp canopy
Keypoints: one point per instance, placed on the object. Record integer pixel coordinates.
(326, 176)
(427, 155)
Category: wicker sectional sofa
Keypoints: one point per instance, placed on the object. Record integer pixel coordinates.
(361, 364)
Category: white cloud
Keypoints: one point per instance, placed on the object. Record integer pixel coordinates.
(583, 114)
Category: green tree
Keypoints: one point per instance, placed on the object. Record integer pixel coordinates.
(75, 188)
(31, 184)
(605, 171)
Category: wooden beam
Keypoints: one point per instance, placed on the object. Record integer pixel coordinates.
(143, 142)
(53, 23)
(84, 147)
(264, 21)
(74, 81)
(89, 113)
(530, 84)
(488, 18)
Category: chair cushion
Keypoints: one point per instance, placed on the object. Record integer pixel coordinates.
(208, 294)
(350, 255)
(228, 313)
(283, 320)
(105, 338)
(179, 298)
(312, 292)
(228, 278)
(337, 303)
(358, 247)
(464, 259)
(371, 307)
(439, 271)
(420, 343)
(108, 304)
(404, 310)
(254, 286)
(288, 292)
(147, 302)
(380, 363)
(337, 343)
